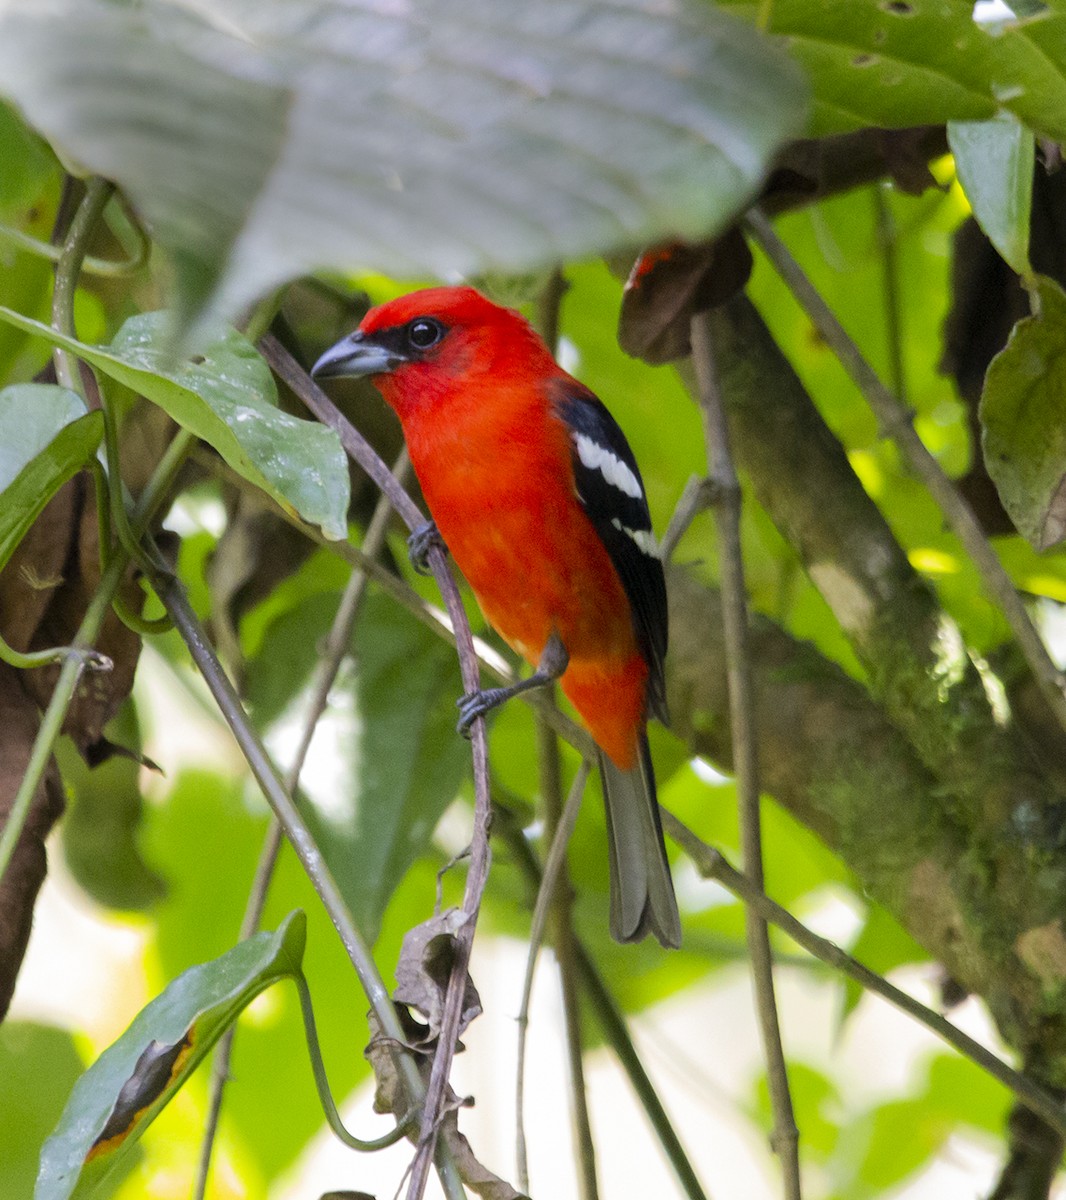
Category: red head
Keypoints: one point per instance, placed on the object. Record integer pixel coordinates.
(420, 347)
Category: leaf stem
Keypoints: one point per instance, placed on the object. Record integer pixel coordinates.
(68, 269)
(785, 1135)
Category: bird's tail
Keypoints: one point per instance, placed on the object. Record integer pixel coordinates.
(642, 892)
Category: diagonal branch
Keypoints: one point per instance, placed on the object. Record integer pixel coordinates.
(360, 450)
(744, 736)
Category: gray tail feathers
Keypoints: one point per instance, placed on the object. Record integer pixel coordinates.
(642, 893)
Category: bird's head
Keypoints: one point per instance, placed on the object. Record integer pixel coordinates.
(429, 344)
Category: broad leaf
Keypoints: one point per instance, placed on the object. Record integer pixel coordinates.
(1023, 417)
(46, 437)
(443, 138)
(395, 759)
(995, 161)
(122, 1092)
(227, 397)
(896, 63)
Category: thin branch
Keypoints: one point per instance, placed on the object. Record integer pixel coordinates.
(337, 644)
(551, 883)
(612, 1022)
(711, 864)
(895, 420)
(360, 450)
(171, 592)
(785, 1136)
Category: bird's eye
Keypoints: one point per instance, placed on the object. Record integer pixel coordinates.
(424, 332)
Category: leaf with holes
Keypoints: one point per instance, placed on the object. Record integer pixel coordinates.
(898, 63)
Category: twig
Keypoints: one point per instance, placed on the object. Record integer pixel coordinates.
(612, 1022)
(360, 450)
(170, 591)
(711, 864)
(336, 647)
(785, 1136)
(895, 420)
(81, 650)
(551, 883)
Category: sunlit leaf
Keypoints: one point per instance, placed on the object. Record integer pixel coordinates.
(117, 1098)
(227, 397)
(452, 136)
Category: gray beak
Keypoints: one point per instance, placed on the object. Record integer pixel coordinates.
(355, 356)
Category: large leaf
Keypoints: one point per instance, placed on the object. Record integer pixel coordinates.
(46, 436)
(262, 140)
(895, 63)
(121, 1093)
(1023, 417)
(227, 397)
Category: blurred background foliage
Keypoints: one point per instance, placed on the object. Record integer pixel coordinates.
(168, 856)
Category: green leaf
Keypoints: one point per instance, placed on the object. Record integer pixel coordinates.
(995, 162)
(227, 397)
(399, 760)
(897, 63)
(27, 164)
(38, 1066)
(444, 138)
(1023, 418)
(102, 825)
(46, 437)
(122, 1092)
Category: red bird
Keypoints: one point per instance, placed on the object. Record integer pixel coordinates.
(535, 491)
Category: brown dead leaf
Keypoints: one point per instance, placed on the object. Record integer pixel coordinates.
(425, 964)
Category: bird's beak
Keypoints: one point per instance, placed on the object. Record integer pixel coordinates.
(356, 356)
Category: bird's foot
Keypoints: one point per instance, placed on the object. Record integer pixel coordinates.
(477, 704)
(419, 544)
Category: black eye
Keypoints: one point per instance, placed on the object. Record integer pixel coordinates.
(424, 332)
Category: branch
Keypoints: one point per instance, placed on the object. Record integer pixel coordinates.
(744, 737)
(360, 450)
(895, 420)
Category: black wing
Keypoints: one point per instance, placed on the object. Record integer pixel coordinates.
(611, 492)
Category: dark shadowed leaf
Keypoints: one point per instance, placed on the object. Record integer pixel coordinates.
(46, 437)
(227, 397)
(995, 164)
(1023, 415)
(122, 1092)
(452, 136)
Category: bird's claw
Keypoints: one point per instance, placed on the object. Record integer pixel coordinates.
(419, 544)
(474, 705)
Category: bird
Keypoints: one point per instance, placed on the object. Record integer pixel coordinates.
(535, 492)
